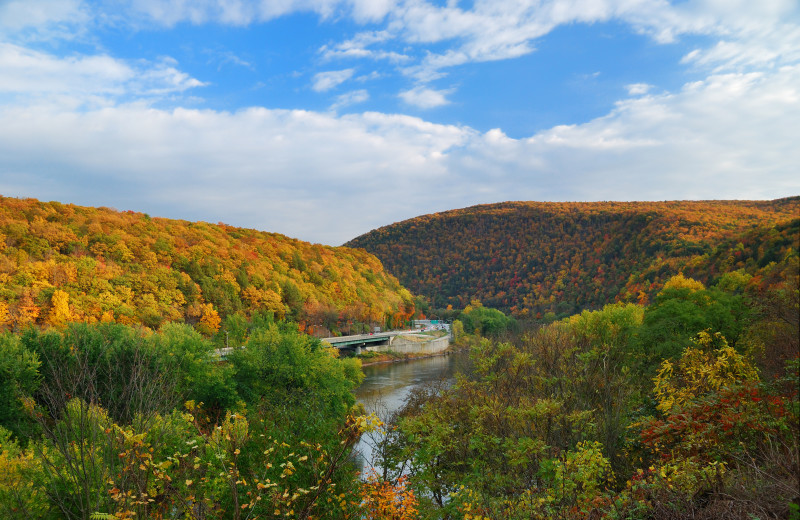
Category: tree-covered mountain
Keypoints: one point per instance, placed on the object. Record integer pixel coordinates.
(532, 258)
(61, 262)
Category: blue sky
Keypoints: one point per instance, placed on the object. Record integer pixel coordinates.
(324, 119)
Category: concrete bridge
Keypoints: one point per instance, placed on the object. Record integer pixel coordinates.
(358, 341)
(377, 341)
(402, 342)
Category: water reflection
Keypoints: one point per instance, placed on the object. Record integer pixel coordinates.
(387, 386)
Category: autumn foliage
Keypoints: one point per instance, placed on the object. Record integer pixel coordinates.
(677, 400)
(61, 263)
(531, 258)
(383, 500)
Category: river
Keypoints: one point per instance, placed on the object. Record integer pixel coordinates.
(386, 387)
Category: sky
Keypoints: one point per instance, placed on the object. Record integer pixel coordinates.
(325, 119)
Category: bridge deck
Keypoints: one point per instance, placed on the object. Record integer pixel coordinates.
(347, 341)
(360, 339)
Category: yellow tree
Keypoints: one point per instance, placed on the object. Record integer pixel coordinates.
(707, 365)
(59, 313)
(681, 282)
(265, 299)
(209, 321)
(5, 317)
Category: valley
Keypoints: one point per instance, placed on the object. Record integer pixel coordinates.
(605, 360)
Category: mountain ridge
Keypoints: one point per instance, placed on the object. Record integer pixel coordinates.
(531, 258)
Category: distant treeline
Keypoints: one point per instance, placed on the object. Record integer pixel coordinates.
(534, 258)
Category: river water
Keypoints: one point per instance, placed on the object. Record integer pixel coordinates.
(386, 387)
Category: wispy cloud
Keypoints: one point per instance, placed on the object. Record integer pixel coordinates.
(424, 39)
(330, 79)
(31, 75)
(244, 12)
(638, 89)
(359, 48)
(750, 33)
(423, 97)
(226, 57)
(350, 98)
(776, 47)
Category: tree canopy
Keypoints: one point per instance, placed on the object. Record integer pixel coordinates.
(534, 258)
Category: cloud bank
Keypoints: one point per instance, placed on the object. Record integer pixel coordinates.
(95, 129)
(328, 178)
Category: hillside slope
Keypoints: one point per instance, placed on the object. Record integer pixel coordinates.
(61, 262)
(536, 257)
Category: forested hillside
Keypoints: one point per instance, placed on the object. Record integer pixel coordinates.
(62, 263)
(531, 258)
(681, 403)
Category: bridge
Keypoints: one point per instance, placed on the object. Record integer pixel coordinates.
(357, 341)
(352, 343)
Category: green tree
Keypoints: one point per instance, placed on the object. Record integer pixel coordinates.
(19, 379)
(191, 364)
(602, 375)
(494, 430)
(104, 363)
(483, 320)
(679, 312)
(282, 368)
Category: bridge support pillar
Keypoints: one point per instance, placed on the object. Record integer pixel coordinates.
(358, 351)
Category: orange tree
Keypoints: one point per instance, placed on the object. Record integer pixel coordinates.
(384, 500)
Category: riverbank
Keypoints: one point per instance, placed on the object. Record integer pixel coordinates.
(406, 348)
(382, 358)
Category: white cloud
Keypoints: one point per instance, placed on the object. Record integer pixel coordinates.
(30, 74)
(330, 79)
(28, 71)
(255, 167)
(327, 178)
(358, 47)
(371, 10)
(42, 18)
(638, 89)
(423, 97)
(730, 136)
(83, 129)
(162, 78)
(350, 98)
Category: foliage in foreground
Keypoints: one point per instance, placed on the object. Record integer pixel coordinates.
(106, 421)
(587, 418)
(669, 411)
